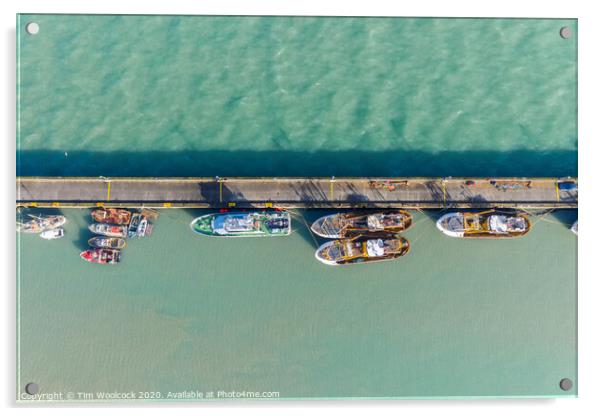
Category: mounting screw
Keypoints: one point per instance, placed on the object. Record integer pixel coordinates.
(32, 388)
(32, 28)
(566, 384)
(565, 32)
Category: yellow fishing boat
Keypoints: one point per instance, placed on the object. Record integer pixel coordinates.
(349, 224)
(362, 249)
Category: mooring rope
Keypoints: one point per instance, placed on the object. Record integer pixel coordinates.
(414, 240)
(301, 218)
(540, 217)
(564, 224)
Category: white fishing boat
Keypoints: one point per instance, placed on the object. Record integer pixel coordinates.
(53, 234)
(40, 223)
(342, 225)
(487, 224)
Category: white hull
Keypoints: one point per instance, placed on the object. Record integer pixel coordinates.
(323, 260)
(52, 234)
(574, 228)
(446, 231)
(315, 227)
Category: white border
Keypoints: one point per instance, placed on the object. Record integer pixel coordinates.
(590, 71)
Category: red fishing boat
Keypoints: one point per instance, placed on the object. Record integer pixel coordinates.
(101, 256)
(112, 216)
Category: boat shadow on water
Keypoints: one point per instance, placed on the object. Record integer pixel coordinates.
(432, 215)
(192, 213)
(24, 213)
(566, 217)
(81, 241)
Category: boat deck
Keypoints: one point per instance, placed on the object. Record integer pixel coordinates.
(296, 192)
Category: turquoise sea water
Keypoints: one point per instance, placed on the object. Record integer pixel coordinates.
(182, 96)
(288, 96)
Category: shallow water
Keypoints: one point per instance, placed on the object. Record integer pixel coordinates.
(107, 95)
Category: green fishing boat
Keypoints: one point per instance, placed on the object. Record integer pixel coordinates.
(243, 224)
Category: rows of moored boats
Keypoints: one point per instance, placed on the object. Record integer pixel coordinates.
(362, 237)
(112, 226)
(354, 237)
(48, 227)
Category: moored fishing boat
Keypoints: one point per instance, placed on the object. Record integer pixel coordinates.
(243, 224)
(101, 255)
(362, 249)
(109, 230)
(53, 234)
(112, 216)
(107, 242)
(41, 223)
(139, 226)
(341, 225)
(574, 228)
(487, 224)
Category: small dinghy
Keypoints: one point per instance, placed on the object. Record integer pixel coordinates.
(53, 234)
(139, 227)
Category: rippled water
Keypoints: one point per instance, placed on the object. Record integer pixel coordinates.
(158, 96)
(289, 96)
